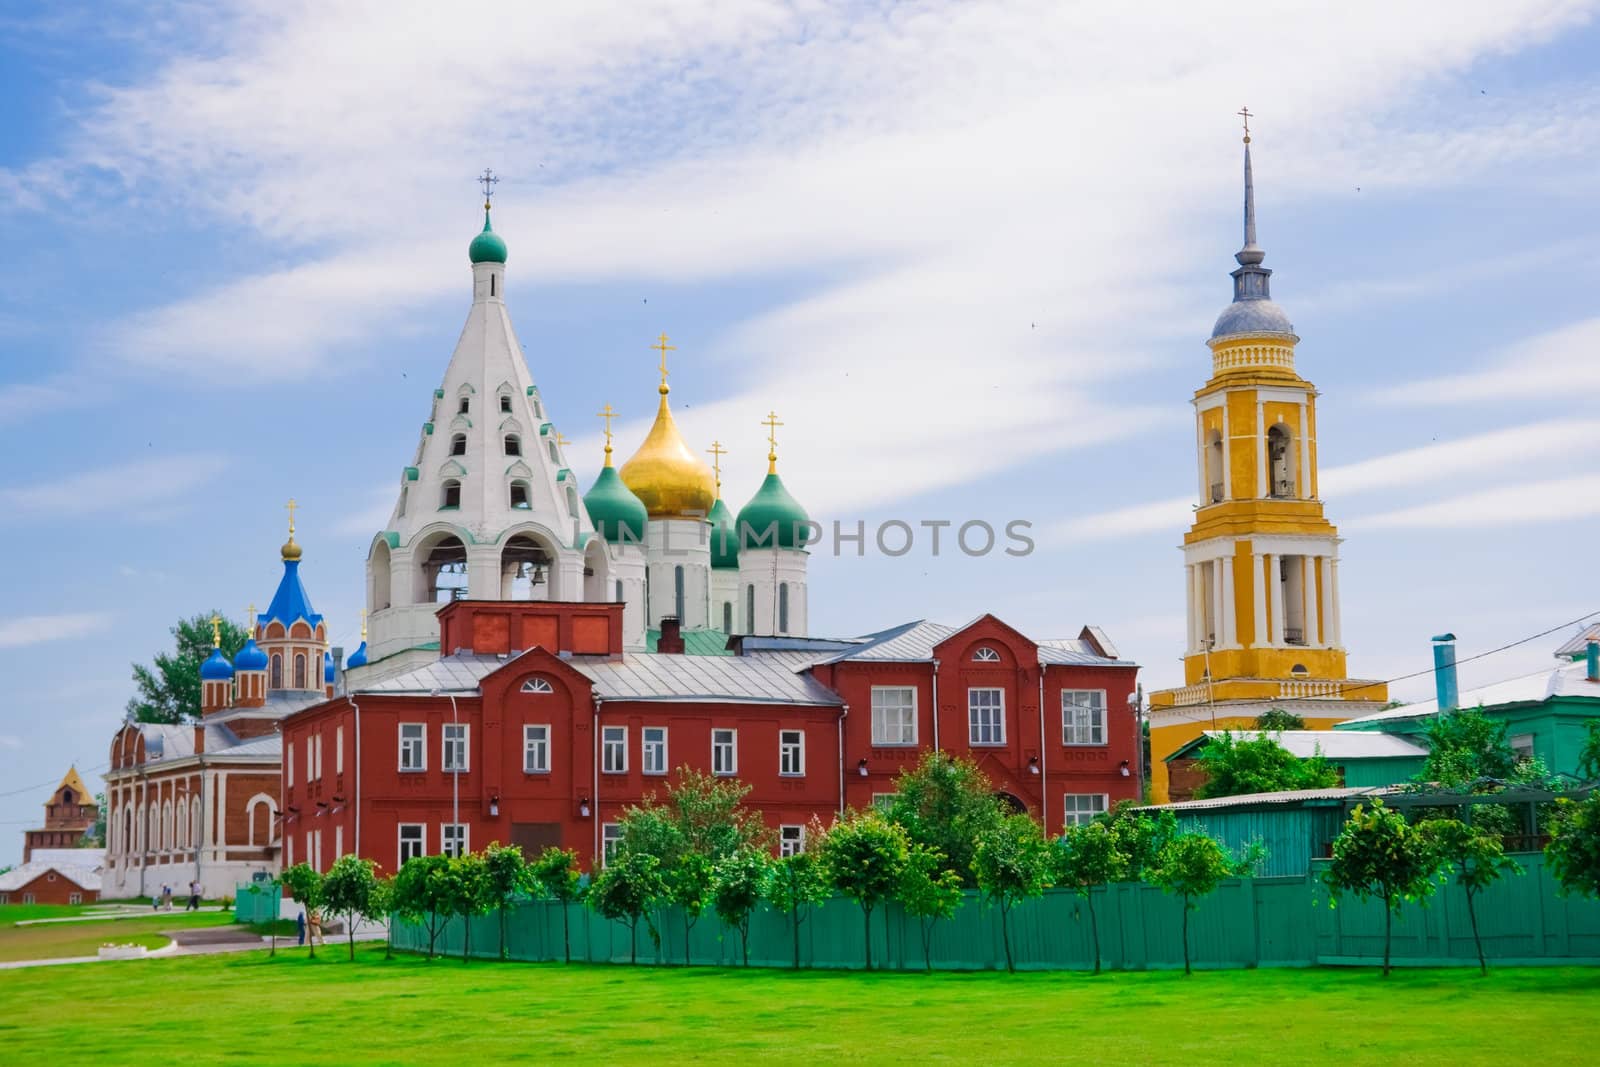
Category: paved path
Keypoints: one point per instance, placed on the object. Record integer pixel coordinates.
(201, 948)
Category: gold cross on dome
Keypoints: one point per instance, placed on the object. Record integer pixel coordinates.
(607, 414)
(561, 439)
(216, 631)
(716, 452)
(291, 505)
(251, 612)
(771, 423)
(363, 624)
(1245, 111)
(662, 347)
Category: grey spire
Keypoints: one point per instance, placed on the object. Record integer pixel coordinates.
(1250, 254)
(1252, 310)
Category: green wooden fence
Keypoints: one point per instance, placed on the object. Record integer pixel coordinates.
(1254, 922)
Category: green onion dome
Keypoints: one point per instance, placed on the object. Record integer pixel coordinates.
(724, 537)
(772, 518)
(615, 511)
(487, 247)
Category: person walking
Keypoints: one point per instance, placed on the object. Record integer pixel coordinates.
(194, 897)
(300, 927)
(166, 897)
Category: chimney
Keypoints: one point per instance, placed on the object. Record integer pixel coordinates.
(199, 738)
(671, 642)
(1593, 651)
(1444, 671)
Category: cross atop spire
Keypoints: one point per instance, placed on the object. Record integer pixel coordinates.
(771, 423)
(250, 612)
(363, 624)
(607, 414)
(291, 505)
(1251, 254)
(662, 347)
(216, 631)
(488, 180)
(716, 451)
(1245, 111)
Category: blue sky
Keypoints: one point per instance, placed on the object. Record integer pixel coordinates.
(969, 252)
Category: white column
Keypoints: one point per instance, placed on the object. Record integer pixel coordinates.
(1305, 455)
(222, 814)
(1197, 606)
(1275, 589)
(1188, 577)
(1227, 453)
(1230, 626)
(1259, 589)
(1309, 585)
(1214, 627)
(1261, 450)
(1335, 624)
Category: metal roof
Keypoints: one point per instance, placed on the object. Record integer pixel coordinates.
(457, 674)
(1579, 644)
(91, 858)
(1331, 744)
(1285, 797)
(914, 642)
(1567, 680)
(17, 877)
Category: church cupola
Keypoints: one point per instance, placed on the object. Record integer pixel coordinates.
(330, 673)
(772, 518)
(291, 633)
(1253, 317)
(250, 670)
(724, 536)
(618, 515)
(773, 533)
(216, 674)
(665, 474)
(358, 658)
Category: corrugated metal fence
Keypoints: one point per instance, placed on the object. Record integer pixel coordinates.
(1259, 922)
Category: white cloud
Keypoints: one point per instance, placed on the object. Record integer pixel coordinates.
(1545, 501)
(7, 741)
(39, 629)
(139, 489)
(372, 517)
(1551, 366)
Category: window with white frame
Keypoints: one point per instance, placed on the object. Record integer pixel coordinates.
(653, 750)
(791, 840)
(791, 752)
(338, 750)
(537, 685)
(1081, 808)
(453, 838)
(724, 752)
(413, 751)
(288, 763)
(412, 841)
(455, 747)
(894, 715)
(884, 801)
(985, 654)
(614, 749)
(610, 836)
(311, 761)
(536, 749)
(74, 898)
(986, 716)
(319, 755)
(1083, 716)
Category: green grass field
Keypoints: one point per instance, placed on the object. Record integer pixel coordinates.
(59, 940)
(247, 1007)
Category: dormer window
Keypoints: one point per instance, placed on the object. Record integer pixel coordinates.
(458, 444)
(985, 654)
(505, 405)
(450, 495)
(513, 445)
(537, 685)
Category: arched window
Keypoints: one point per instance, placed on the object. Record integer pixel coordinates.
(458, 444)
(555, 457)
(466, 405)
(519, 495)
(783, 607)
(491, 284)
(505, 404)
(985, 654)
(537, 685)
(277, 670)
(300, 670)
(749, 609)
(445, 571)
(677, 591)
(513, 442)
(727, 616)
(1280, 463)
(537, 410)
(1214, 462)
(403, 492)
(450, 495)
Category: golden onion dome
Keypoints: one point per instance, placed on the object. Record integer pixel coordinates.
(666, 475)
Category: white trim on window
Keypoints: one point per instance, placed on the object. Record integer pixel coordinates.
(610, 836)
(537, 685)
(791, 753)
(413, 841)
(455, 752)
(724, 751)
(986, 716)
(536, 748)
(453, 839)
(614, 749)
(791, 839)
(653, 750)
(985, 654)
(894, 715)
(1083, 716)
(1079, 809)
(882, 801)
(413, 746)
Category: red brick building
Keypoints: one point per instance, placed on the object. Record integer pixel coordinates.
(55, 876)
(493, 743)
(69, 814)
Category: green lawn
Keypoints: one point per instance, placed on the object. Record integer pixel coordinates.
(57, 940)
(247, 1007)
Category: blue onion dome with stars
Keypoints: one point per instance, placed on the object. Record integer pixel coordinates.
(1253, 311)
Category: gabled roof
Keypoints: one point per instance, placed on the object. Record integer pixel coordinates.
(1332, 744)
(1566, 680)
(17, 877)
(1579, 644)
(89, 858)
(290, 603)
(914, 642)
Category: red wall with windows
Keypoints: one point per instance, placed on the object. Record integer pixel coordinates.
(50, 887)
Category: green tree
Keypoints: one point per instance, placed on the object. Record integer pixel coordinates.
(1574, 848)
(272, 887)
(383, 909)
(1012, 864)
(1140, 837)
(1589, 754)
(1088, 859)
(626, 891)
(1466, 749)
(305, 885)
(508, 876)
(348, 890)
(471, 893)
(796, 884)
(555, 872)
(1479, 859)
(709, 813)
(1192, 865)
(1378, 854)
(689, 886)
(1277, 720)
(863, 856)
(947, 804)
(95, 836)
(736, 888)
(928, 891)
(1234, 766)
(168, 690)
(424, 893)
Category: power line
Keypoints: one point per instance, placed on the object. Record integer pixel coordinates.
(1202, 714)
(46, 785)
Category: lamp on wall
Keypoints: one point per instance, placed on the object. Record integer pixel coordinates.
(1033, 764)
(861, 768)
(1124, 770)
(494, 805)
(583, 806)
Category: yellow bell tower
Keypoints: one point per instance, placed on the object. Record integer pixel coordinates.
(1261, 561)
